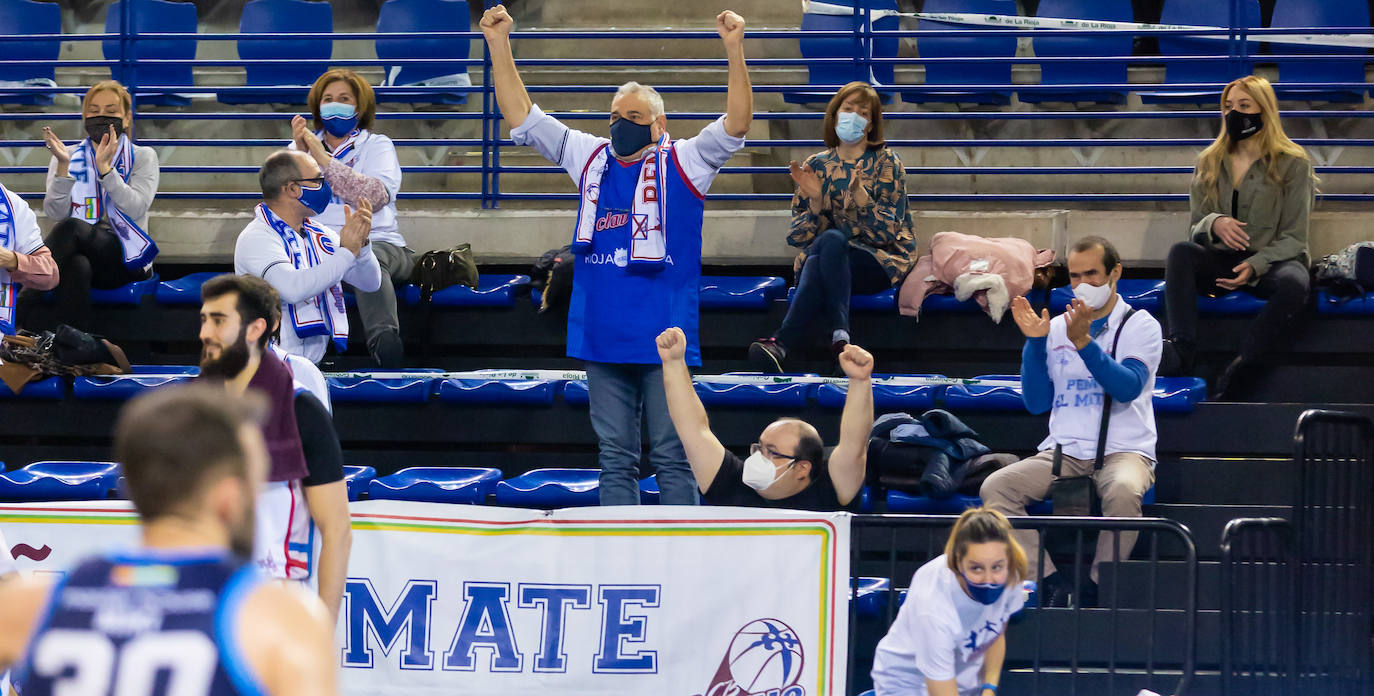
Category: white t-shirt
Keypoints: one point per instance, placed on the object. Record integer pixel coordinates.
(1077, 413)
(940, 633)
(260, 252)
(28, 237)
(306, 376)
(373, 155)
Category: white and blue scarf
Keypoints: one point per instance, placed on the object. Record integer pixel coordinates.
(347, 151)
(648, 243)
(90, 202)
(8, 234)
(322, 315)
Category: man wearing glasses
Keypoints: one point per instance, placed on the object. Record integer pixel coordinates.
(304, 260)
(787, 467)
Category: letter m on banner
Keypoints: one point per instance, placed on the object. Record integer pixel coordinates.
(367, 617)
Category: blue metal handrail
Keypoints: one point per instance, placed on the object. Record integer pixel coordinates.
(1238, 54)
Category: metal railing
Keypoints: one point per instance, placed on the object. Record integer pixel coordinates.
(1238, 56)
(1105, 652)
(1259, 618)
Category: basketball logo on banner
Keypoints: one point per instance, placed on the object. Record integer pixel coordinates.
(765, 658)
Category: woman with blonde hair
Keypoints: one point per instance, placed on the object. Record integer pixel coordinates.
(949, 638)
(360, 164)
(1251, 201)
(99, 192)
(850, 218)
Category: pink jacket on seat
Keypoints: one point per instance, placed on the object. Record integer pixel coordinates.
(990, 270)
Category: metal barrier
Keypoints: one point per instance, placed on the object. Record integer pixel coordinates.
(1259, 619)
(1237, 56)
(1334, 528)
(1105, 652)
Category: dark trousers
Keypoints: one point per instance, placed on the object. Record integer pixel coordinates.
(1193, 269)
(87, 256)
(832, 271)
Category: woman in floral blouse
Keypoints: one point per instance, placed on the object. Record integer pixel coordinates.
(850, 218)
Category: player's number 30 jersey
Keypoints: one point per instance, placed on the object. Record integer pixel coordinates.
(142, 625)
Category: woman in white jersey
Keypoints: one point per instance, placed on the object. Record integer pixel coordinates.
(949, 638)
(360, 165)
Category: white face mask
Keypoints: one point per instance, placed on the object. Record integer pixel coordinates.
(759, 472)
(1095, 296)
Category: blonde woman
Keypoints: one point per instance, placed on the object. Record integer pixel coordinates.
(359, 165)
(949, 638)
(850, 218)
(99, 191)
(1251, 201)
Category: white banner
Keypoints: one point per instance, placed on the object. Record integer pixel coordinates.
(455, 599)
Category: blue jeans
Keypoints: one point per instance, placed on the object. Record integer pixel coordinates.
(832, 271)
(618, 395)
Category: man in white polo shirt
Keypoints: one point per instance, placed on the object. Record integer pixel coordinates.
(1099, 350)
(303, 260)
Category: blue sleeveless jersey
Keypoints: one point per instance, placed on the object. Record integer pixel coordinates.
(144, 623)
(615, 314)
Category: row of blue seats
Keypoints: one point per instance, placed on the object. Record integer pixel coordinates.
(742, 293)
(20, 17)
(1171, 394)
(1066, 76)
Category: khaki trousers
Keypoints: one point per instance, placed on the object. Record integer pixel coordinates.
(1121, 483)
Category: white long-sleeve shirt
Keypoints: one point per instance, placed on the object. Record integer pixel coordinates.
(260, 252)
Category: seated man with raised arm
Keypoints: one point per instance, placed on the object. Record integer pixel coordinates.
(787, 467)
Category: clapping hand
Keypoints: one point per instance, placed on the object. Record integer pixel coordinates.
(808, 181)
(357, 226)
(55, 147)
(1032, 325)
(105, 152)
(857, 191)
(1078, 319)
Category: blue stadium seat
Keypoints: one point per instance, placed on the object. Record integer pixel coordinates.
(751, 395)
(127, 295)
(492, 291)
(1362, 306)
(949, 304)
(1207, 14)
(898, 501)
(885, 396)
(575, 393)
(648, 490)
(885, 301)
(423, 15)
(551, 488)
(1171, 395)
(1085, 71)
(378, 390)
(436, 484)
(839, 74)
(51, 388)
(276, 17)
(740, 292)
(27, 17)
(58, 480)
(192, 370)
(162, 17)
(182, 291)
(357, 478)
(1141, 294)
(869, 596)
(1234, 303)
(1327, 13)
(866, 499)
(122, 387)
(973, 71)
(532, 392)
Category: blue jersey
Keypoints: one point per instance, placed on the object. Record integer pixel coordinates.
(615, 313)
(143, 624)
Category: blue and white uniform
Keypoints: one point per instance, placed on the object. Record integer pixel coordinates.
(615, 313)
(125, 623)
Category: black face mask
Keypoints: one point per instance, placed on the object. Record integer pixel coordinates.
(1240, 126)
(98, 127)
(628, 137)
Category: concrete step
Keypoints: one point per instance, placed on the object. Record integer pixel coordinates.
(1206, 522)
(1247, 481)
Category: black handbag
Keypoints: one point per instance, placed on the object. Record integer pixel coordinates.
(441, 268)
(1076, 496)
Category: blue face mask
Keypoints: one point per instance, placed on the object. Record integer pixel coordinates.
(339, 119)
(850, 126)
(984, 594)
(316, 199)
(628, 137)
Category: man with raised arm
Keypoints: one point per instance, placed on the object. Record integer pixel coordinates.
(787, 467)
(637, 242)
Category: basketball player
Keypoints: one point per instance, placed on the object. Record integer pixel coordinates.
(183, 614)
